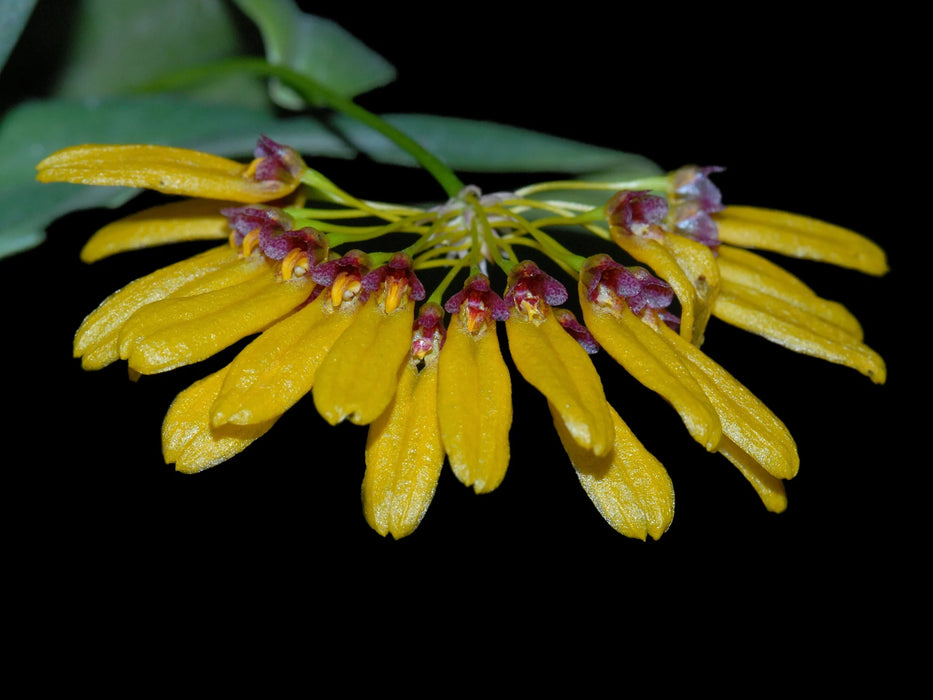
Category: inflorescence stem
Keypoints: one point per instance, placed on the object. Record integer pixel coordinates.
(315, 93)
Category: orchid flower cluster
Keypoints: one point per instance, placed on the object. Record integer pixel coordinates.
(408, 342)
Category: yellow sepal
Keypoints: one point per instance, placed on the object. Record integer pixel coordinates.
(747, 269)
(278, 368)
(163, 169)
(474, 405)
(358, 377)
(762, 298)
(800, 237)
(187, 220)
(404, 455)
(183, 330)
(96, 341)
(797, 330)
(241, 269)
(688, 266)
(629, 486)
(655, 364)
(745, 420)
(553, 362)
(188, 438)
(769, 488)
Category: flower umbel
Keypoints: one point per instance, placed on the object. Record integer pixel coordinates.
(390, 340)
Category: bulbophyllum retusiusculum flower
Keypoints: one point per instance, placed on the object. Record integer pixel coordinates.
(404, 449)
(630, 488)
(330, 315)
(624, 311)
(474, 407)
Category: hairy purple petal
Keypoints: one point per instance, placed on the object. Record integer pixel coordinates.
(400, 266)
(635, 285)
(695, 223)
(670, 319)
(633, 210)
(657, 293)
(276, 162)
(246, 219)
(528, 282)
(277, 235)
(478, 294)
(499, 309)
(355, 262)
(577, 330)
(692, 183)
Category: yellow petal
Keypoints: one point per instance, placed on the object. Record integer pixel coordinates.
(745, 268)
(183, 330)
(654, 363)
(358, 378)
(688, 266)
(188, 438)
(769, 488)
(797, 330)
(474, 405)
(800, 237)
(161, 168)
(187, 220)
(404, 455)
(278, 368)
(553, 362)
(745, 420)
(699, 265)
(97, 339)
(629, 486)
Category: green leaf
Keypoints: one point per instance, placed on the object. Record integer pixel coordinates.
(31, 206)
(316, 47)
(114, 46)
(33, 130)
(488, 147)
(13, 17)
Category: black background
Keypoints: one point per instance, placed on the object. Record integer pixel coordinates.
(806, 116)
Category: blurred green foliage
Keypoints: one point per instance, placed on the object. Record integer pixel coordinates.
(74, 71)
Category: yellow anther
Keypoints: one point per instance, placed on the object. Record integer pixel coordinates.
(250, 171)
(475, 318)
(250, 242)
(395, 292)
(344, 288)
(531, 310)
(295, 264)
